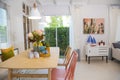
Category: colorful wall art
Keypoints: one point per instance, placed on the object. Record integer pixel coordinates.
(93, 25)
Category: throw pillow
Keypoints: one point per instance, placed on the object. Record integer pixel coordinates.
(116, 45)
(119, 42)
(7, 53)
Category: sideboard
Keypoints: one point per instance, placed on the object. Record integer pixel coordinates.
(96, 51)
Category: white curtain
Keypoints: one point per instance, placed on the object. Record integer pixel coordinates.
(74, 28)
(117, 36)
(114, 24)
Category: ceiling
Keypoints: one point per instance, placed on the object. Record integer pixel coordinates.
(78, 2)
(70, 2)
(58, 7)
(63, 6)
(74, 2)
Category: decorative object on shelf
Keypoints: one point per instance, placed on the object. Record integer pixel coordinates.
(91, 41)
(35, 14)
(101, 43)
(39, 45)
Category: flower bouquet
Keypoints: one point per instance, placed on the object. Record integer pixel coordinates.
(39, 45)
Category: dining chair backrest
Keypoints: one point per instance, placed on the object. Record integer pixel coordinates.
(64, 61)
(71, 66)
(67, 55)
(68, 72)
(66, 50)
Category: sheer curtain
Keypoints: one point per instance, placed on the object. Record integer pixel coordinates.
(114, 24)
(117, 36)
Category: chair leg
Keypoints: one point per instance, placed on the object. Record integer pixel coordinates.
(86, 57)
(89, 60)
(106, 59)
(102, 58)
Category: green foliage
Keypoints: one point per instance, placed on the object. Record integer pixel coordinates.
(45, 43)
(62, 33)
(56, 21)
(63, 37)
(50, 36)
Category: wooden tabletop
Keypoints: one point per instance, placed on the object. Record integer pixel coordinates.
(22, 61)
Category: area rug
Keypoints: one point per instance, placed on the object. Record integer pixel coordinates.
(35, 71)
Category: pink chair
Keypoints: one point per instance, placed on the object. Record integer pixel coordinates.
(68, 72)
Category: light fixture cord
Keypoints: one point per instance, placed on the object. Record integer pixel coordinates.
(34, 5)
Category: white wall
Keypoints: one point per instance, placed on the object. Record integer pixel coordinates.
(90, 11)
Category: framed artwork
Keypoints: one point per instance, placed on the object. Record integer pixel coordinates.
(93, 25)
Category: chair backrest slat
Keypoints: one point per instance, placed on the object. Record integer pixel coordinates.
(71, 66)
(66, 50)
(67, 56)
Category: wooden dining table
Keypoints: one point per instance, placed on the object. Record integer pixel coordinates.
(22, 61)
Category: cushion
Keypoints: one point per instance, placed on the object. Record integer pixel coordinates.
(118, 42)
(116, 45)
(7, 53)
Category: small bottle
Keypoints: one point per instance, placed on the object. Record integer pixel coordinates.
(30, 55)
(36, 54)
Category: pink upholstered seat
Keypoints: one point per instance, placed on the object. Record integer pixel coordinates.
(68, 72)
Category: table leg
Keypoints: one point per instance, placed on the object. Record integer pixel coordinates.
(102, 58)
(9, 74)
(49, 74)
(86, 57)
(106, 59)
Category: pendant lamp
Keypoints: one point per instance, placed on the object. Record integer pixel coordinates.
(34, 14)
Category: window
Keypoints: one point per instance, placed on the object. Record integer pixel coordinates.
(3, 26)
(57, 31)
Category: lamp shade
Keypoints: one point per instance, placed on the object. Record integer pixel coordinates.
(34, 14)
